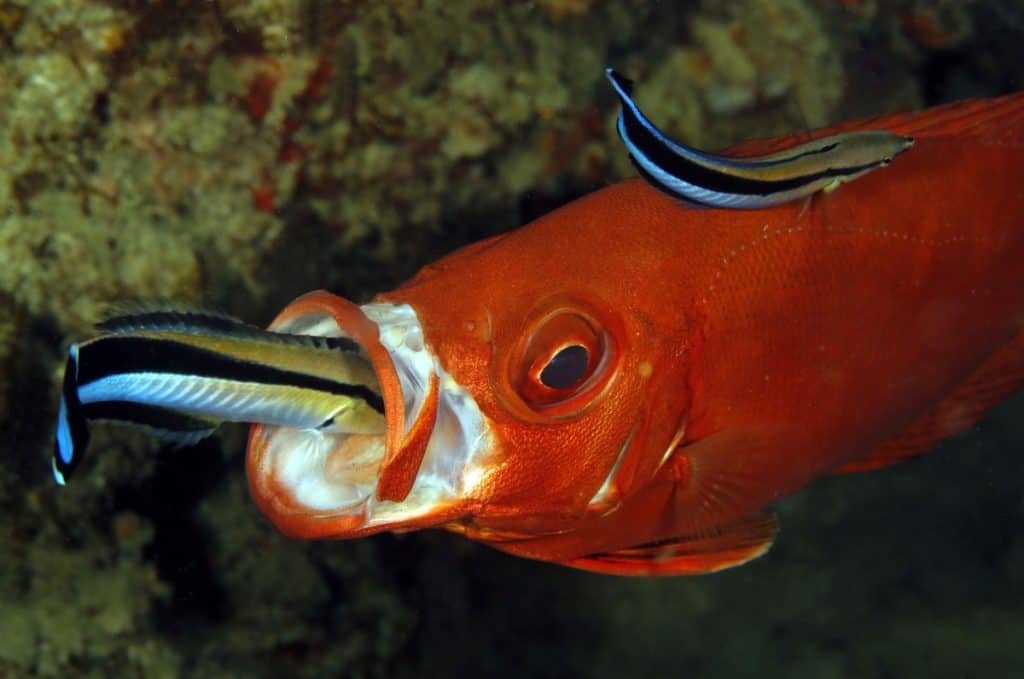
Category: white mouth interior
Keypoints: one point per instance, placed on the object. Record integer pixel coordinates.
(336, 472)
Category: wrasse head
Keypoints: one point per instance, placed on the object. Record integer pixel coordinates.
(514, 408)
(878, 146)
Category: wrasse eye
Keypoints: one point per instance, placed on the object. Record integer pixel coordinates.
(560, 360)
(566, 368)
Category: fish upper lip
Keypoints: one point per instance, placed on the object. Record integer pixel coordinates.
(426, 463)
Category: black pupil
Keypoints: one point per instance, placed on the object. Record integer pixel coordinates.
(565, 368)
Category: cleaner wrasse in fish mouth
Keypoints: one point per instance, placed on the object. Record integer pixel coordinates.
(627, 384)
(750, 182)
(180, 374)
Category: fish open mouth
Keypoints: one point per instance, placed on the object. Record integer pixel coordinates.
(315, 483)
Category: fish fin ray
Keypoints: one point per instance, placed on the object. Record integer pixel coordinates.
(719, 475)
(712, 550)
(180, 439)
(998, 119)
(171, 438)
(972, 117)
(998, 378)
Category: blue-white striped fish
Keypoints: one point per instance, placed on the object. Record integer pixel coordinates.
(711, 180)
(180, 374)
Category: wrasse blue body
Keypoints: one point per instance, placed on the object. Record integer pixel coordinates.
(181, 374)
(718, 181)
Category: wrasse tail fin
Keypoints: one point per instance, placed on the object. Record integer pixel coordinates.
(72, 428)
(715, 550)
(997, 379)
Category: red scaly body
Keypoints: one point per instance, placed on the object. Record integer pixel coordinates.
(739, 354)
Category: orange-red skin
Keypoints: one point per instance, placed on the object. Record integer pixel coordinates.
(761, 348)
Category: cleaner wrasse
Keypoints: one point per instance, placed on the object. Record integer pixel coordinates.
(180, 374)
(627, 384)
(750, 182)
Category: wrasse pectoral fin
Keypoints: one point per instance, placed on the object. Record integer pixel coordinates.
(179, 375)
(710, 180)
(720, 548)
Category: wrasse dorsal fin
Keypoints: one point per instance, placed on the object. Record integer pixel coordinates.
(196, 322)
(122, 321)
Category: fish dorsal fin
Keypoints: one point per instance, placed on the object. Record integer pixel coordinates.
(998, 378)
(714, 550)
(999, 120)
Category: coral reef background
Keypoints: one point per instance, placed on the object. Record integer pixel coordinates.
(233, 154)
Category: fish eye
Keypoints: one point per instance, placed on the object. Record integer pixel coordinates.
(558, 362)
(566, 368)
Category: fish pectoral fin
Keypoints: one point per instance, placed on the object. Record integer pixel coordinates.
(180, 439)
(998, 378)
(714, 550)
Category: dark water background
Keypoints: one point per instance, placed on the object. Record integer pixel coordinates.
(190, 152)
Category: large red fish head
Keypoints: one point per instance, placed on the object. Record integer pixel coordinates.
(527, 393)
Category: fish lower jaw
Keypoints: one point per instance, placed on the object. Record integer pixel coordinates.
(331, 475)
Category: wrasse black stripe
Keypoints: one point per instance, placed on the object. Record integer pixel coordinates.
(714, 180)
(115, 355)
(147, 416)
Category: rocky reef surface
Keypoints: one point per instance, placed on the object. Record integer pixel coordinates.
(232, 154)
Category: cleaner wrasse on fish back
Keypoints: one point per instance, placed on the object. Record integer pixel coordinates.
(627, 384)
(748, 182)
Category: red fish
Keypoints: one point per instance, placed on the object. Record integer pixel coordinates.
(627, 384)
